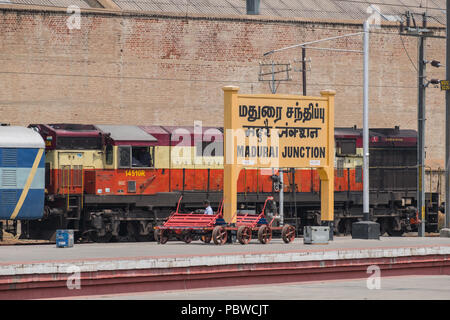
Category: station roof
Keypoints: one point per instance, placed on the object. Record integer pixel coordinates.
(20, 137)
(52, 3)
(309, 9)
(313, 9)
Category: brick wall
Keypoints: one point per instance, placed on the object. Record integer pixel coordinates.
(121, 68)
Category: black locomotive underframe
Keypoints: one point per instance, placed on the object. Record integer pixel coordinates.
(98, 214)
(300, 209)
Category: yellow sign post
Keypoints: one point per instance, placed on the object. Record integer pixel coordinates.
(278, 131)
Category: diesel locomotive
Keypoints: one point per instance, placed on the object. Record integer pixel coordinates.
(117, 182)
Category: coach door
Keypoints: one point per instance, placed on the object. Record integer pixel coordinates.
(71, 172)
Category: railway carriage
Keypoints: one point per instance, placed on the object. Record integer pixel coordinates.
(21, 174)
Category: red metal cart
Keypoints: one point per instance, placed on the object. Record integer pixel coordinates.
(189, 226)
(248, 224)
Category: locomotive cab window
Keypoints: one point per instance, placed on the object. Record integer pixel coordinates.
(141, 157)
(109, 154)
(136, 157)
(124, 157)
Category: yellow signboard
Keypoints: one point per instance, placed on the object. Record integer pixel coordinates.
(278, 131)
(281, 131)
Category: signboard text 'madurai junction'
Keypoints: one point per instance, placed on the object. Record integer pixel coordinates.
(292, 130)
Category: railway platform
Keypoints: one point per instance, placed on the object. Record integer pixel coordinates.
(44, 271)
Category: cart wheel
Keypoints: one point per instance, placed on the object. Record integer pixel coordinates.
(163, 236)
(156, 235)
(288, 233)
(187, 237)
(264, 234)
(244, 234)
(219, 235)
(206, 238)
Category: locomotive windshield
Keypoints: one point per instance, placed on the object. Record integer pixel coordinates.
(346, 146)
(78, 143)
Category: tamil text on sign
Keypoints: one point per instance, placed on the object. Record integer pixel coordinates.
(279, 131)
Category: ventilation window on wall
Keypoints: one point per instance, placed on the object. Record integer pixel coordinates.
(9, 157)
(9, 178)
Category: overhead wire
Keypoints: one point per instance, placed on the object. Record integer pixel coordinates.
(406, 51)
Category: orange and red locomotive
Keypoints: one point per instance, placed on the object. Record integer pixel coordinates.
(120, 181)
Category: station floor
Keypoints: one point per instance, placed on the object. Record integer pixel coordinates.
(390, 288)
(96, 251)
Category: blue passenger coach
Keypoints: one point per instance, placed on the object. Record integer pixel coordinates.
(22, 173)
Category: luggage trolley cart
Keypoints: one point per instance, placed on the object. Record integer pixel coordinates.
(188, 226)
(248, 224)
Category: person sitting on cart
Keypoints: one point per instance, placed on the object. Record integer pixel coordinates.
(208, 209)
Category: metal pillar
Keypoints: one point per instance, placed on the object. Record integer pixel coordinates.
(447, 126)
(366, 229)
(366, 125)
(281, 198)
(304, 70)
(421, 136)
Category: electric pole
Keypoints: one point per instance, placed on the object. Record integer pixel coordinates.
(421, 133)
(307, 45)
(447, 126)
(422, 34)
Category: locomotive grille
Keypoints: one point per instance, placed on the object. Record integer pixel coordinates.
(358, 174)
(340, 168)
(131, 186)
(76, 176)
(64, 176)
(71, 176)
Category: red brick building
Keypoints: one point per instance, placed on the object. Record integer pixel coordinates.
(165, 62)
